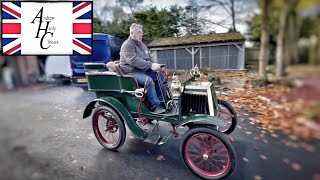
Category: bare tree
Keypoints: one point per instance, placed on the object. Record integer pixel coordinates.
(280, 63)
(231, 7)
(264, 44)
(191, 20)
(131, 4)
(118, 14)
(293, 31)
(102, 10)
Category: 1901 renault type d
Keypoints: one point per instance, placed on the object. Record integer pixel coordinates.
(205, 147)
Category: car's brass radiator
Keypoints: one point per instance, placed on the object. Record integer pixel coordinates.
(194, 104)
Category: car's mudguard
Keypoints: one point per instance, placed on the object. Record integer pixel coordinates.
(120, 109)
(202, 120)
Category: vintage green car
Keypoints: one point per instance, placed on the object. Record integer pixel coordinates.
(205, 147)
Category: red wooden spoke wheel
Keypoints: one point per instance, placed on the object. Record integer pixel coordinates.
(208, 153)
(108, 128)
(229, 115)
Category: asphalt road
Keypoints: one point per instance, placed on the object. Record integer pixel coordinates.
(43, 136)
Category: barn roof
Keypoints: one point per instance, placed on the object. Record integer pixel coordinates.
(197, 39)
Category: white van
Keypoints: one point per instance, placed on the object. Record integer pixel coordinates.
(58, 69)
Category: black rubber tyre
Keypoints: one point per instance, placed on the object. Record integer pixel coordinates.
(114, 124)
(227, 113)
(213, 149)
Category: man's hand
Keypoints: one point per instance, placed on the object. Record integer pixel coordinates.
(155, 67)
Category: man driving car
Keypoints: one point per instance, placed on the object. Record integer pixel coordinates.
(135, 60)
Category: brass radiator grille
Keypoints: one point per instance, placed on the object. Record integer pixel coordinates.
(194, 104)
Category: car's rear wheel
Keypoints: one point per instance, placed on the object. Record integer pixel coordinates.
(108, 128)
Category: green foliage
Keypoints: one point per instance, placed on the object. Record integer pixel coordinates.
(302, 5)
(159, 23)
(260, 82)
(214, 78)
(313, 112)
(256, 22)
(310, 27)
(307, 26)
(98, 26)
(297, 27)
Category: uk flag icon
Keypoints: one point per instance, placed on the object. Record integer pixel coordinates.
(46, 28)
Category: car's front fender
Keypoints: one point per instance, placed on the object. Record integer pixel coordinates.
(202, 120)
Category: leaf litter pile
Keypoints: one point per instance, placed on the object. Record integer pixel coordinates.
(274, 112)
(290, 110)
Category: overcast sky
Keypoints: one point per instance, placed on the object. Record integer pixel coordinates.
(218, 15)
(158, 3)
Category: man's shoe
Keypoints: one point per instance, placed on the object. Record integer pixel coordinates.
(158, 110)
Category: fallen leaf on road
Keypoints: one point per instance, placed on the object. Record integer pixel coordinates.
(263, 157)
(265, 141)
(159, 158)
(275, 135)
(308, 147)
(286, 160)
(257, 178)
(82, 168)
(275, 111)
(248, 132)
(316, 176)
(255, 148)
(157, 178)
(293, 137)
(296, 166)
(74, 161)
(245, 159)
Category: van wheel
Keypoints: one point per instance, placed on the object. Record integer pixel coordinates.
(84, 88)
